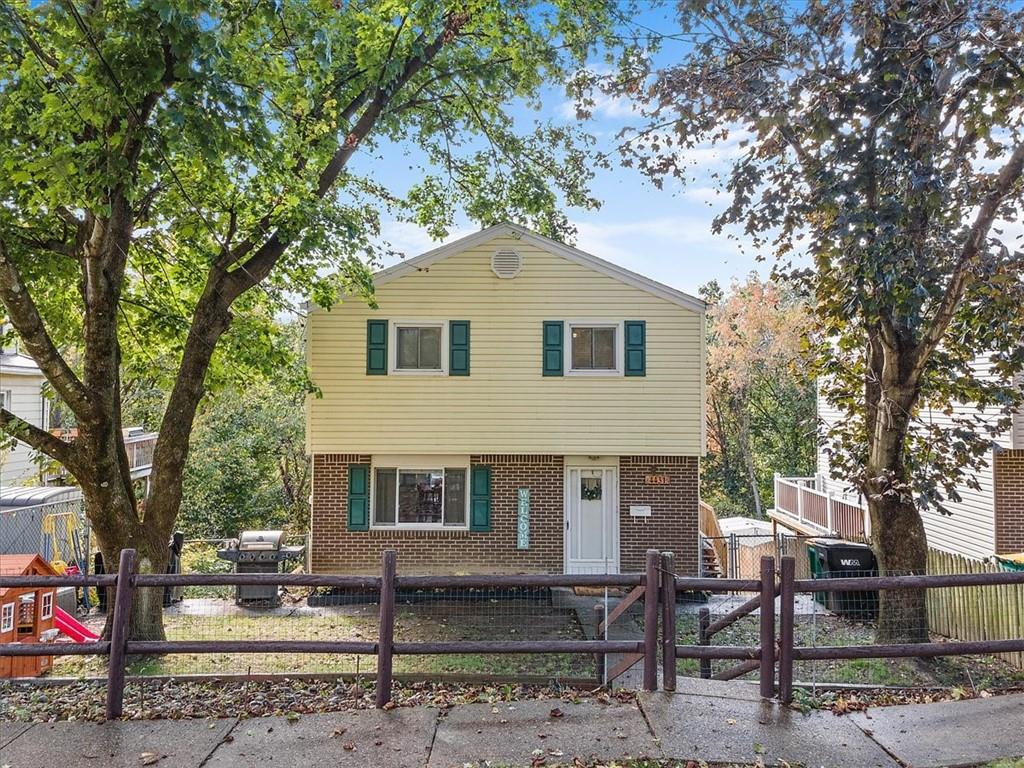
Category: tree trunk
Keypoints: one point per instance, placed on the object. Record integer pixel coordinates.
(115, 521)
(747, 453)
(898, 532)
(902, 550)
(146, 622)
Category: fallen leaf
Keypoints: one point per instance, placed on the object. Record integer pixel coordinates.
(556, 712)
(348, 746)
(149, 758)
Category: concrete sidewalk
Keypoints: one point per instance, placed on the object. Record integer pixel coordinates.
(715, 722)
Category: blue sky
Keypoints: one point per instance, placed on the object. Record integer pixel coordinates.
(664, 234)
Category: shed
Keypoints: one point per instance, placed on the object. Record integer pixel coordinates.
(26, 613)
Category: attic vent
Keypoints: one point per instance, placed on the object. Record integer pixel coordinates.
(506, 263)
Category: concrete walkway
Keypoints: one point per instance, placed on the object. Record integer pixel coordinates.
(715, 722)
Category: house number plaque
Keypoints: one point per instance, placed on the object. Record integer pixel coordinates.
(656, 480)
(523, 519)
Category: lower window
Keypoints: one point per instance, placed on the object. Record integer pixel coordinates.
(418, 498)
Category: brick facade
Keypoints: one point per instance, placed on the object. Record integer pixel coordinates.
(1009, 500)
(672, 526)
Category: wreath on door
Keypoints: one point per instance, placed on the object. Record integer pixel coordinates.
(590, 491)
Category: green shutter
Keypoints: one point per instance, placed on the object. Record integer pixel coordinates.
(554, 334)
(635, 332)
(458, 347)
(376, 347)
(358, 497)
(479, 498)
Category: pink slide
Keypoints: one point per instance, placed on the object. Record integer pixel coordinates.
(72, 627)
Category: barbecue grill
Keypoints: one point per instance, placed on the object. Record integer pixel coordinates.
(258, 552)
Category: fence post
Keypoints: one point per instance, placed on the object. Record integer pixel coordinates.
(787, 612)
(703, 622)
(599, 659)
(767, 627)
(386, 627)
(829, 515)
(119, 629)
(668, 621)
(651, 621)
(799, 501)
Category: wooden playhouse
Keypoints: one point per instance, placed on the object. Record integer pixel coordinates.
(25, 614)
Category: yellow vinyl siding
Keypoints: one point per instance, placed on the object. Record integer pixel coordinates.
(506, 405)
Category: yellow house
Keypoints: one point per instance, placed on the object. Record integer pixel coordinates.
(513, 405)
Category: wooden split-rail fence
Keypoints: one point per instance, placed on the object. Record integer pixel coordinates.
(658, 586)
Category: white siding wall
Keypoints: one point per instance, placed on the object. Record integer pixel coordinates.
(16, 465)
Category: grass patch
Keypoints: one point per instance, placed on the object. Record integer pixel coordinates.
(438, 621)
(972, 672)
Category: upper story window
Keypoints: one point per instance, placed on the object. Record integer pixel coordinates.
(420, 498)
(593, 348)
(419, 347)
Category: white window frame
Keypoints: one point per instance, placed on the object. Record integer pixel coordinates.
(7, 618)
(393, 327)
(429, 466)
(6, 399)
(619, 327)
(46, 606)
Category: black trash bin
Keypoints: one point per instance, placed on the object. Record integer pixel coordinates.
(832, 559)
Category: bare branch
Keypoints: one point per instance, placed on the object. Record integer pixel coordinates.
(39, 439)
(25, 317)
(1007, 179)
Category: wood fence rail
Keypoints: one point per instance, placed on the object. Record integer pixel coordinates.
(660, 588)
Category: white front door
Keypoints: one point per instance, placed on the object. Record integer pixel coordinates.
(591, 520)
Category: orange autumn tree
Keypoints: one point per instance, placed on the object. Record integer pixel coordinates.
(761, 416)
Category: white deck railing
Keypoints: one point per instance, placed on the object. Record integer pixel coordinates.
(801, 499)
(140, 449)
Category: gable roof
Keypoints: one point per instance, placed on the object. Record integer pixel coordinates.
(23, 565)
(567, 252)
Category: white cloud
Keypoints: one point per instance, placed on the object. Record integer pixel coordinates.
(605, 105)
(680, 251)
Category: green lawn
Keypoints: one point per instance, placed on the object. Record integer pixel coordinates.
(436, 621)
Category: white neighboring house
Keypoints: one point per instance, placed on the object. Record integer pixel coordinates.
(986, 521)
(21, 393)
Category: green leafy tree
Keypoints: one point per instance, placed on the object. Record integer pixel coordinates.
(174, 170)
(761, 401)
(883, 141)
(247, 466)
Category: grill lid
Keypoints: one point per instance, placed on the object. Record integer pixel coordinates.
(251, 541)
